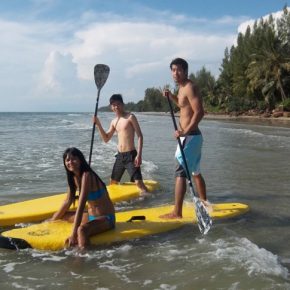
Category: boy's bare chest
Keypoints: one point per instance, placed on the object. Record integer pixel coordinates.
(123, 125)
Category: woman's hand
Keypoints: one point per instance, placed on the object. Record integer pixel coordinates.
(71, 241)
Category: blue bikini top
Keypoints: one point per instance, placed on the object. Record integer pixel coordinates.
(93, 195)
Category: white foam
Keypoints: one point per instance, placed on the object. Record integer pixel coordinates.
(254, 259)
(149, 166)
(147, 282)
(10, 267)
(54, 258)
(18, 286)
(167, 287)
(125, 248)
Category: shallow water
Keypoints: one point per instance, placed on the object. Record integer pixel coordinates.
(242, 162)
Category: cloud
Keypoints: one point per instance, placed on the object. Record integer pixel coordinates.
(59, 71)
(243, 26)
(140, 46)
(59, 63)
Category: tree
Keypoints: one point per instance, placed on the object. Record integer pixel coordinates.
(154, 101)
(206, 83)
(269, 66)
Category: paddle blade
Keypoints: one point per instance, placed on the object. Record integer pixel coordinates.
(204, 220)
(101, 73)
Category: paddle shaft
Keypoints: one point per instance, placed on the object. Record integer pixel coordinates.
(180, 146)
(204, 221)
(101, 73)
(94, 127)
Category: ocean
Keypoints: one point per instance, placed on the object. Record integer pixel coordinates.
(242, 162)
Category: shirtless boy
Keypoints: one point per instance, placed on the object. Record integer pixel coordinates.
(191, 113)
(126, 125)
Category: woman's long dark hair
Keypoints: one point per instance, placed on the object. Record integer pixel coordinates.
(84, 167)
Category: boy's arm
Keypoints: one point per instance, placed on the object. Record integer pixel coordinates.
(106, 136)
(135, 124)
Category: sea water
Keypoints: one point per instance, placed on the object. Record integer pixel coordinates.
(242, 162)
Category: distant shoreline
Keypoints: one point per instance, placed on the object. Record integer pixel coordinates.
(255, 119)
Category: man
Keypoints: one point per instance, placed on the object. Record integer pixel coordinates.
(191, 112)
(126, 125)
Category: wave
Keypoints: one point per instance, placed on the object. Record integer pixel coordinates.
(255, 260)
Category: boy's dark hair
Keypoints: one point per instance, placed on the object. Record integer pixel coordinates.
(180, 61)
(116, 97)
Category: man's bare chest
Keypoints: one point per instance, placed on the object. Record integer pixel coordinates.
(182, 101)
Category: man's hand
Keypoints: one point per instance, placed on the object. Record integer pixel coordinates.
(166, 93)
(178, 133)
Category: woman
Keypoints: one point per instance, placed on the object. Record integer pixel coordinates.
(101, 213)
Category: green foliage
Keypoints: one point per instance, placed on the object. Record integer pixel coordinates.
(155, 101)
(286, 105)
(206, 84)
(256, 71)
(261, 106)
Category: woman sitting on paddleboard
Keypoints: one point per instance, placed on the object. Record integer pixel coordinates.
(101, 213)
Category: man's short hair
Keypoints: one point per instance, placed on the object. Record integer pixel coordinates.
(180, 61)
(116, 97)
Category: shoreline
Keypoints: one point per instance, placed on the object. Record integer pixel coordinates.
(254, 119)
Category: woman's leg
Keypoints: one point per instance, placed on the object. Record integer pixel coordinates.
(86, 230)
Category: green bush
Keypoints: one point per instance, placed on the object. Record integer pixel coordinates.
(286, 105)
(261, 105)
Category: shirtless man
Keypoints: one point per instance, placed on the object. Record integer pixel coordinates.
(191, 113)
(126, 125)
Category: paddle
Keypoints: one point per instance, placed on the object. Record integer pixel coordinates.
(204, 221)
(101, 73)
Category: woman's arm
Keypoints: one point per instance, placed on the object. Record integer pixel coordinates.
(64, 207)
(85, 187)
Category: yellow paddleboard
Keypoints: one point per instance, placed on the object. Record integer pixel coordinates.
(52, 235)
(41, 208)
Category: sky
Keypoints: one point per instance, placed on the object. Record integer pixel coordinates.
(49, 47)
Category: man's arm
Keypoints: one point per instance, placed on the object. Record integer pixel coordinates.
(135, 124)
(106, 136)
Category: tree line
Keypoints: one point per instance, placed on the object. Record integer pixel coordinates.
(254, 74)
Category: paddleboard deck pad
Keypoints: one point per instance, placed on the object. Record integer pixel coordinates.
(42, 208)
(129, 225)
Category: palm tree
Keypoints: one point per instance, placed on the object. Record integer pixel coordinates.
(269, 68)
